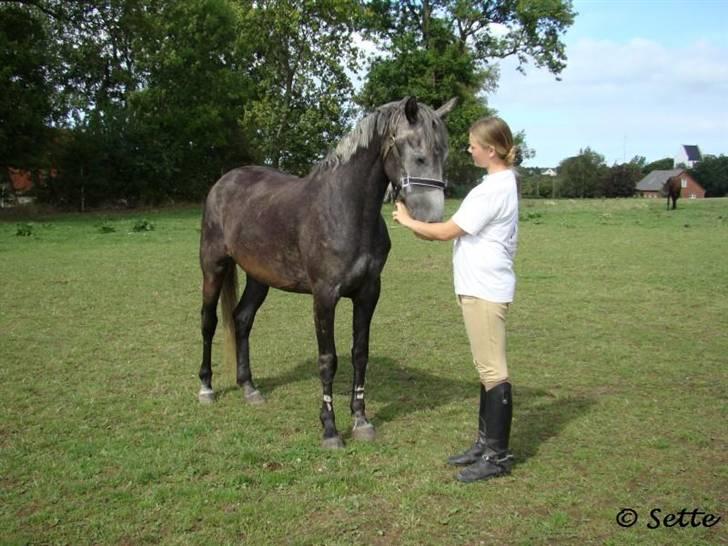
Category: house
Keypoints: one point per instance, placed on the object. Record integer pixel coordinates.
(688, 156)
(549, 172)
(13, 185)
(16, 191)
(20, 180)
(652, 185)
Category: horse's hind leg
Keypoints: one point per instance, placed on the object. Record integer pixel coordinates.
(253, 297)
(212, 281)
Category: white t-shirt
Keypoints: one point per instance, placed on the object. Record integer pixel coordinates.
(483, 257)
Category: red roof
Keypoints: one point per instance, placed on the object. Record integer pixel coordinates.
(20, 180)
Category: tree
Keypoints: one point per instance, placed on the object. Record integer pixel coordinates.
(26, 97)
(535, 184)
(664, 164)
(300, 105)
(184, 125)
(712, 174)
(441, 49)
(148, 100)
(639, 160)
(527, 29)
(157, 98)
(620, 180)
(92, 72)
(580, 175)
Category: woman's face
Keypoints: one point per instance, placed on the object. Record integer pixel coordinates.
(481, 154)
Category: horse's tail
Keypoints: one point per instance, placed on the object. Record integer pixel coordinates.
(229, 299)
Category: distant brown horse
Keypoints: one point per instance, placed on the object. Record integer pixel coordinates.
(323, 235)
(671, 189)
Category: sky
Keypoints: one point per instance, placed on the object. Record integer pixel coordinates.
(642, 78)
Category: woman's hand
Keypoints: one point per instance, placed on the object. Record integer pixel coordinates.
(400, 214)
(437, 231)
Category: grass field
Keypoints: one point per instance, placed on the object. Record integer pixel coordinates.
(618, 348)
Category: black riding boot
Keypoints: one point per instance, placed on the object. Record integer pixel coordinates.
(496, 460)
(478, 448)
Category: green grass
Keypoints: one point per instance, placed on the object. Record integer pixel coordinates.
(617, 349)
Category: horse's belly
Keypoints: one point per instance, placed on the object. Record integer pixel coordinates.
(274, 271)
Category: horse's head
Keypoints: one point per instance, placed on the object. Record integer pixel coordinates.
(414, 154)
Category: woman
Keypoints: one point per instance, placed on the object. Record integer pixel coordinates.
(485, 230)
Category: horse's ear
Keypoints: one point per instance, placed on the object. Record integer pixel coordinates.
(410, 109)
(446, 108)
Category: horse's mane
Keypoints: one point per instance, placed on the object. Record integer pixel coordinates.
(378, 123)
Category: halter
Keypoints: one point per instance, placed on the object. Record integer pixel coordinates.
(407, 181)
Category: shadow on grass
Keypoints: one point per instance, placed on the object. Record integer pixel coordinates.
(403, 390)
(540, 415)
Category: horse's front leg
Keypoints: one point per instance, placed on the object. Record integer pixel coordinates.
(324, 313)
(365, 302)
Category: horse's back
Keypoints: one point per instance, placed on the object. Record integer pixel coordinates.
(246, 183)
(250, 189)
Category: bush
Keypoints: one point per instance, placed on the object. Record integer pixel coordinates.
(105, 227)
(24, 230)
(143, 225)
(534, 217)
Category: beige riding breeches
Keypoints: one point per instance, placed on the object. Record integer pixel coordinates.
(485, 323)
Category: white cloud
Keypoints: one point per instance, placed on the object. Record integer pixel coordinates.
(622, 99)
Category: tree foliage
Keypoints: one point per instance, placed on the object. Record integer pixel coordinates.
(535, 184)
(664, 164)
(301, 99)
(147, 100)
(439, 49)
(621, 180)
(712, 174)
(25, 100)
(581, 175)
(186, 119)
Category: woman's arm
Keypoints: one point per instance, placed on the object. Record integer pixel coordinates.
(439, 231)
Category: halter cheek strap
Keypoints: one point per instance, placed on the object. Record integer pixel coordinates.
(390, 145)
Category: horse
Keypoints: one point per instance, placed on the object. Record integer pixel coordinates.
(671, 189)
(322, 235)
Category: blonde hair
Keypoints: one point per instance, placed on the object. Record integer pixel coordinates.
(493, 131)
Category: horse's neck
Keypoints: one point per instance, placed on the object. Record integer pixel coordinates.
(361, 179)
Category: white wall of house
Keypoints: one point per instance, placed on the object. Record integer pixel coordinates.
(681, 158)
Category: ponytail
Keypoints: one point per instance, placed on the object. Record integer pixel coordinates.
(513, 156)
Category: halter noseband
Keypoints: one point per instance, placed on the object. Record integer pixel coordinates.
(406, 181)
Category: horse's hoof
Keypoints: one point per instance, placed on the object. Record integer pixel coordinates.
(206, 396)
(335, 442)
(365, 432)
(254, 398)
